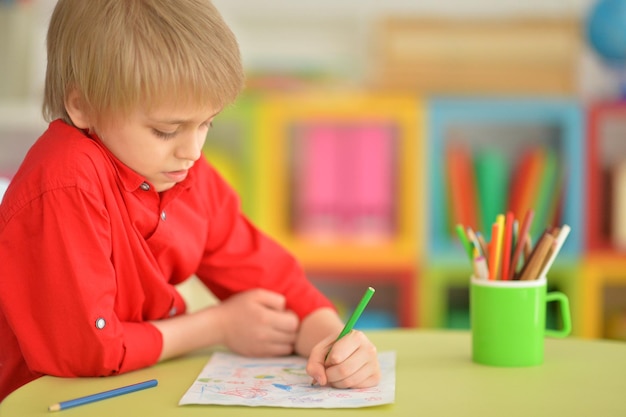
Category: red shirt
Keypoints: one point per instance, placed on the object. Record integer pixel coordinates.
(89, 253)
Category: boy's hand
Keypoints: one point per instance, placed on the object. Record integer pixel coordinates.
(351, 363)
(255, 323)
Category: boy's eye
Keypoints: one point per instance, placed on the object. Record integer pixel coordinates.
(164, 135)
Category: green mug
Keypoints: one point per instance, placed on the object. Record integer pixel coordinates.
(508, 321)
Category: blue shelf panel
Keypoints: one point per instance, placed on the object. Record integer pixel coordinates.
(556, 123)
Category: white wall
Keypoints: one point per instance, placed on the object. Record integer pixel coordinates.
(289, 33)
(335, 34)
(283, 34)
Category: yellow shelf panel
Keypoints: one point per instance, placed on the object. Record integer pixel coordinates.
(353, 256)
(280, 112)
(599, 271)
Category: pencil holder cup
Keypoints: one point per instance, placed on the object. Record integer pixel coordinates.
(508, 321)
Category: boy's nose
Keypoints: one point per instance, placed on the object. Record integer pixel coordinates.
(190, 148)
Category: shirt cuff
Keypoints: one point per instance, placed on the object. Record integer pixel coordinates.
(143, 344)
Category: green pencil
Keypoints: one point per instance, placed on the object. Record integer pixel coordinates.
(353, 319)
(460, 231)
(355, 314)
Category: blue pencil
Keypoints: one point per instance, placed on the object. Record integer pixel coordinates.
(103, 395)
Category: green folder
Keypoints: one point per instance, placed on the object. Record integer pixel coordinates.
(492, 176)
(547, 194)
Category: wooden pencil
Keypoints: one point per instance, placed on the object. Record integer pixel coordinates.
(483, 245)
(559, 239)
(538, 257)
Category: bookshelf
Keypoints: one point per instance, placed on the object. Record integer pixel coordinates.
(419, 264)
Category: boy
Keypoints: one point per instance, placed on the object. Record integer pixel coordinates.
(114, 205)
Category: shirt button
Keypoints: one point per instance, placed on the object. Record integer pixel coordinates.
(145, 186)
(173, 311)
(100, 323)
(163, 215)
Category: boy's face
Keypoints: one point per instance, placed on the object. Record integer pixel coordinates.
(161, 144)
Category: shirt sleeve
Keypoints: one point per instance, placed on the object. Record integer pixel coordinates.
(58, 290)
(239, 257)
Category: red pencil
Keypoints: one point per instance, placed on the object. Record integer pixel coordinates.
(521, 238)
(506, 245)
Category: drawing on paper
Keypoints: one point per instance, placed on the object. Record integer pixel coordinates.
(230, 379)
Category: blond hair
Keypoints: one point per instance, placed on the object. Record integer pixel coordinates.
(119, 54)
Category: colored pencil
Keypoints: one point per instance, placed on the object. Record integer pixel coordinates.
(353, 319)
(521, 238)
(471, 236)
(528, 247)
(498, 257)
(493, 253)
(355, 314)
(103, 395)
(460, 231)
(506, 245)
(537, 258)
(483, 245)
(562, 234)
(515, 237)
(480, 268)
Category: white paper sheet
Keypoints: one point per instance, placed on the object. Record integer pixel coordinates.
(230, 379)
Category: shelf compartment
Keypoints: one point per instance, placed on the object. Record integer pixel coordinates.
(511, 127)
(283, 120)
(603, 292)
(606, 150)
(392, 305)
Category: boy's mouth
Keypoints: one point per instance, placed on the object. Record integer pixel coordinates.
(177, 176)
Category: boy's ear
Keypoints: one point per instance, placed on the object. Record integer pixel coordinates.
(76, 109)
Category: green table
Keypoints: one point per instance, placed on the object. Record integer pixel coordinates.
(435, 377)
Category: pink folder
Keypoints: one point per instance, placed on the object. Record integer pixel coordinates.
(368, 204)
(317, 187)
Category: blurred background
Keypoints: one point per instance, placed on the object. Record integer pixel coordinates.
(369, 129)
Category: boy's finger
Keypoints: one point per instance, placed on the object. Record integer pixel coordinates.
(316, 370)
(344, 347)
(315, 365)
(270, 299)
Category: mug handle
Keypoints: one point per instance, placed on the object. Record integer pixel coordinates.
(565, 314)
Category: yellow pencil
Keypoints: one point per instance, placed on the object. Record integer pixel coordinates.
(498, 245)
(491, 263)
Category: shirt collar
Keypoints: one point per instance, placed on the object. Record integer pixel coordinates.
(130, 179)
